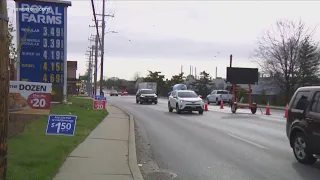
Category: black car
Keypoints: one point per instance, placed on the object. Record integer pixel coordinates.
(303, 124)
(146, 95)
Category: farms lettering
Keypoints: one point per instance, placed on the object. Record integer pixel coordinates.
(29, 87)
(41, 14)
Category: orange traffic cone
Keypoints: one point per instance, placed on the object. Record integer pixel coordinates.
(206, 107)
(286, 111)
(221, 104)
(268, 109)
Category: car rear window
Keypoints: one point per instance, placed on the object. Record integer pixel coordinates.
(147, 92)
(301, 100)
(222, 92)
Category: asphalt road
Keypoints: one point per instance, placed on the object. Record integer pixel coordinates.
(218, 145)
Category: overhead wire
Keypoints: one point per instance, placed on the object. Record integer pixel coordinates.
(95, 21)
(113, 12)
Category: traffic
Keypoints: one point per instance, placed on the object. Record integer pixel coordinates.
(216, 131)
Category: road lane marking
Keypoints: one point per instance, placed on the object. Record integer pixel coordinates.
(245, 140)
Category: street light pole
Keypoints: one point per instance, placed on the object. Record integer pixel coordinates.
(4, 88)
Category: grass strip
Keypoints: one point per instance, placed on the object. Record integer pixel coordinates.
(33, 155)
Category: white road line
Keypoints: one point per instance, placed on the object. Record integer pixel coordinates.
(183, 117)
(250, 142)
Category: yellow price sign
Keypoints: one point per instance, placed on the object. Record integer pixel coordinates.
(52, 78)
(57, 78)
(52, 66)
(45, 66)
(61, 78)
(45, 78)
(57, 66)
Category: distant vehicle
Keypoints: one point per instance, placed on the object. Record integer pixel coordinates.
(216, 95)
(303, 124)
(148, 85)
(114, 93)
(185, 100)
(146, 95)
(177, 87)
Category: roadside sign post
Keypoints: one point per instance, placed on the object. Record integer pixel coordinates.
(99, 104)
(42, 30)
(99, 97)
(61, 125)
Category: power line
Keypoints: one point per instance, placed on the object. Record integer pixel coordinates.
(95, 20)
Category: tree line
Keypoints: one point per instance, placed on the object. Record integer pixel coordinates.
(202, 85)
(287, 53)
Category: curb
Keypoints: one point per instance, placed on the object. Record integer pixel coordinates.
(135, 171)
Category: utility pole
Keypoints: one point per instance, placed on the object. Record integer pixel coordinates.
(96, 63)
(95, 39)
(102, 43)
(93, 48)
(89, 85)
(4, 88)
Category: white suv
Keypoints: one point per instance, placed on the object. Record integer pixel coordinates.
(185, 100)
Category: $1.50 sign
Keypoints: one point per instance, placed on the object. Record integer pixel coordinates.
(99, 104)
(61, 125)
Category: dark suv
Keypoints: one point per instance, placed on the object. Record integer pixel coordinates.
(303, 124)
(146, 95)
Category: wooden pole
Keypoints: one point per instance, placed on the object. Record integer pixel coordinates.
(4, 88)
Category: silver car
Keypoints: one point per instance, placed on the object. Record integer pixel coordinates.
(185, 100)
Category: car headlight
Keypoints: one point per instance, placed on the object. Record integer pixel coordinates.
(141, 95)
(181, 101)
(155, 96)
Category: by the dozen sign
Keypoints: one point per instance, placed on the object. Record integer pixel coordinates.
(29, 97)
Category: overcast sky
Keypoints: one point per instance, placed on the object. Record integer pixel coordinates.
(163, 35)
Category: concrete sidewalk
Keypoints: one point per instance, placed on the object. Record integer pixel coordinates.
(108, 153)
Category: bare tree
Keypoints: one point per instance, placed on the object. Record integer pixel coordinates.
(278, 53)
(136, 76)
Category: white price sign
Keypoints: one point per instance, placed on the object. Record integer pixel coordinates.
(99, 106)
(61, 126)
(38, 103)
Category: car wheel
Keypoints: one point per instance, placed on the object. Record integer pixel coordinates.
(177, 109)
(169, 107)
(137, 101)
(201, 112)
(156, 102)
(300, 150)
(233, 108)
(217, 102)
(141, 102)
(208, 101)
